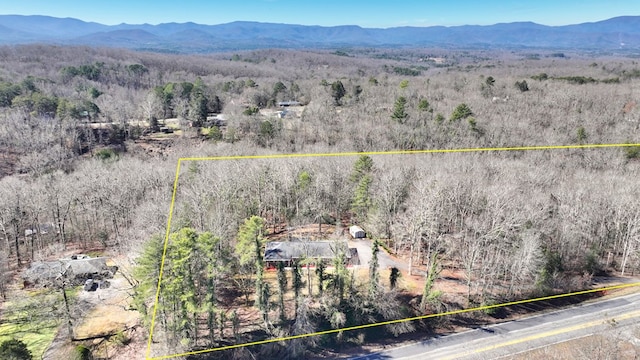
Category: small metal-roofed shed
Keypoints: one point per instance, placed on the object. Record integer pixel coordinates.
(289, 252)
(357, 232)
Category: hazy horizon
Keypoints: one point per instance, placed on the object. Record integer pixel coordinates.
(369, 14)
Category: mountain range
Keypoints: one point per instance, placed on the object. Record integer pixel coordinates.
(612, 34)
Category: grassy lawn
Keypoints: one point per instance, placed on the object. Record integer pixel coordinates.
(33, 317)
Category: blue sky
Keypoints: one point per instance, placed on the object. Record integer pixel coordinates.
(367, 13)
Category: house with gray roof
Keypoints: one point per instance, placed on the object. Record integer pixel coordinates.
(75, 271)
(289, 252)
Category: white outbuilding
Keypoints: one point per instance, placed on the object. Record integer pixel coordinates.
(357, 232)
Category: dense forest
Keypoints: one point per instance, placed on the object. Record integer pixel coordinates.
(90, 140)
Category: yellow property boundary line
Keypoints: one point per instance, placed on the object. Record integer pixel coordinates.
(393, 152)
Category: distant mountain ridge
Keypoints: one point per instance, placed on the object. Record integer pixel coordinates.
(612, 34)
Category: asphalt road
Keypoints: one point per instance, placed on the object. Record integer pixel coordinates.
(521, 335)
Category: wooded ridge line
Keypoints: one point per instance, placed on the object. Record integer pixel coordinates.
(619, 33)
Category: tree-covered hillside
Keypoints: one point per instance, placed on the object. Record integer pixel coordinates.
(90, 139)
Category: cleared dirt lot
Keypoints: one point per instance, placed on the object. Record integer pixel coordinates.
(103, 320)
(105, 311)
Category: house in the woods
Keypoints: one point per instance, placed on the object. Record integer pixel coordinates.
(289, 252)
(216, 120)
(74, 271)
(289, 103)
(42, 229)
